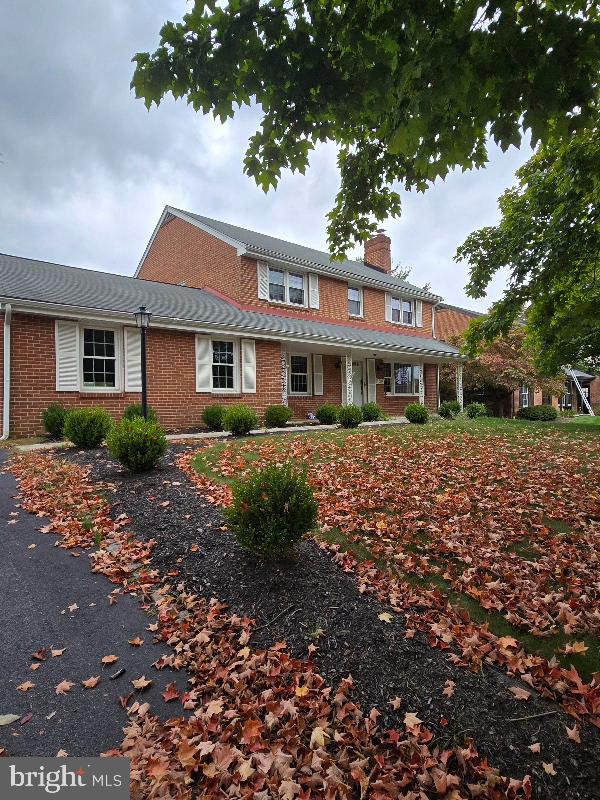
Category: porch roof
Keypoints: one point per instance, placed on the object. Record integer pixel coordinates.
(66, 290)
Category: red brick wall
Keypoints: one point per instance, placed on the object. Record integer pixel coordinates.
(182, 253)
(171, 379)
(450, 322)
(595, 394)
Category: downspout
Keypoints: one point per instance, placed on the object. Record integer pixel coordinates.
(6, 374)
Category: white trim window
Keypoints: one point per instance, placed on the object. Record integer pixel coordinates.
(223, 366)
(355, 301)
(99, 359)
(524, 396)
(299, 382)
(403, 311)
(287, 287)
(401, 379)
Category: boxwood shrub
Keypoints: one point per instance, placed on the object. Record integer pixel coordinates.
(135, 410)
(371, 412)
(539, 413)
(449, 409)
(213, 417)
(474, 410)
(240, 419)
(278, 416)
(272, 509)
(327, 414)
(417, 413)
(54, 420)
(137, 443)
(87, 427)
(350, 416)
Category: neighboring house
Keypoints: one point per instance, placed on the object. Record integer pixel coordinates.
(237, 316)
(451, 321)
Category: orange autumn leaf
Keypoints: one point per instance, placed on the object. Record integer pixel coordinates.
(25, 686)
(64, 687)
(90, 683)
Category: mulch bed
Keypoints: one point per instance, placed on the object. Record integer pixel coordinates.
(311, 600)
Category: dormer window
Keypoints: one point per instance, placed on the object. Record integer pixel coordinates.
(287, 287)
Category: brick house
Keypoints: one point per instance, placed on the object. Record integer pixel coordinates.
(237, 316)
(452, 321)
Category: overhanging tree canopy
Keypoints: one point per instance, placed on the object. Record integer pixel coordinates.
(408, 89)
(549, 239)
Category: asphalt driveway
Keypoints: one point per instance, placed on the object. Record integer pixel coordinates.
(37, 585)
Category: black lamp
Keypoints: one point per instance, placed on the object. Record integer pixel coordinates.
(142, 320)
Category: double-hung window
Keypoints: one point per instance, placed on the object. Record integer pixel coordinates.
(287, 287)
(223, 363)
(396, 309)
(299, 378)
(99, 365)
(524, 396)
(355, 301)
(401, 378)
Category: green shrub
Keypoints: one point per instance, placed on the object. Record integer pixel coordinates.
(538, 413)
(213, 417)
(417, 413)
(350, 416)
(240, 419)
(278, 416)
(54, 420)
(371, 412)
(87, 427)
(474, 410)
(568, 412)
(327, 414)
(135, 410)
(272, 509)
(449, 409)
(137, 443)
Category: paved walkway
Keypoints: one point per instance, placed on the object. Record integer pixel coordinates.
(36, 586)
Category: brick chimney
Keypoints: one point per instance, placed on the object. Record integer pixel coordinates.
(378, 252)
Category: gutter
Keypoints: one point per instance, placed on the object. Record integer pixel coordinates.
(6, 374)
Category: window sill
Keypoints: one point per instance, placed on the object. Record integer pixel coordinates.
(101, 390)
(286, 305)
(356, 316)
(401, 394)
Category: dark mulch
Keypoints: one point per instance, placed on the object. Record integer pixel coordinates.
(311, 600)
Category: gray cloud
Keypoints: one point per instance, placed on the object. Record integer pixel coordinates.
(85, 170)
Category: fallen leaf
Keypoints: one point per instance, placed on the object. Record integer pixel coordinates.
(73, 607)
(62, 754)
(520, 694)
(141, 683)
(137, 642)
(549, 768)
(535, 748)
(576, 647)
(8, 719)
(31, 546)
(317, 738)
(411, 720)
(449, 688)
(57, 653)
(385, 616)
(64, 687)
(246, 770)
(90, 683)
(109, 659)
(396, 703)
(34, 666)
(573, 734)
(25, 686)
(171, 692)
(40, 654)
(26, 718)
(302, 691)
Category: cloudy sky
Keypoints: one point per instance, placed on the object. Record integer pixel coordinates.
(85, 170)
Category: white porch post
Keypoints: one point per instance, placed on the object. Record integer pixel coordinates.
(348, 375)
(422, 384)
(459, 384)
(284, 379)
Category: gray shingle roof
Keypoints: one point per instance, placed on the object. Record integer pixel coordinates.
(43, 282)
(261, 244)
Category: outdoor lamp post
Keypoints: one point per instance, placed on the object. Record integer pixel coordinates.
(142, 320)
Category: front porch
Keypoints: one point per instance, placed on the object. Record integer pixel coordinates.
(311, 377)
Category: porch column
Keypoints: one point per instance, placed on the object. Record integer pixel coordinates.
(422, 384)
(284, 378)
(459, 384)
(348, 394)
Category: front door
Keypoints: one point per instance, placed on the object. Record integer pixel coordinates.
(357, 383)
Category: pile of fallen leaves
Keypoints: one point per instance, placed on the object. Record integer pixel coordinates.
(454, 507)
(261, 724)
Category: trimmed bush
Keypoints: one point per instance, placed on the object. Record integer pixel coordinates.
(240, 419)
(135, 410)
(137, 443)
(568, 412)
(327, 414)
(278, 416)
(213, 417)
(538, 413)
(371, 412)
(449, 409)
(272, 509)
(416, 413)
(54, 420)
(474, 410)
(87, 427)
(350, 416)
